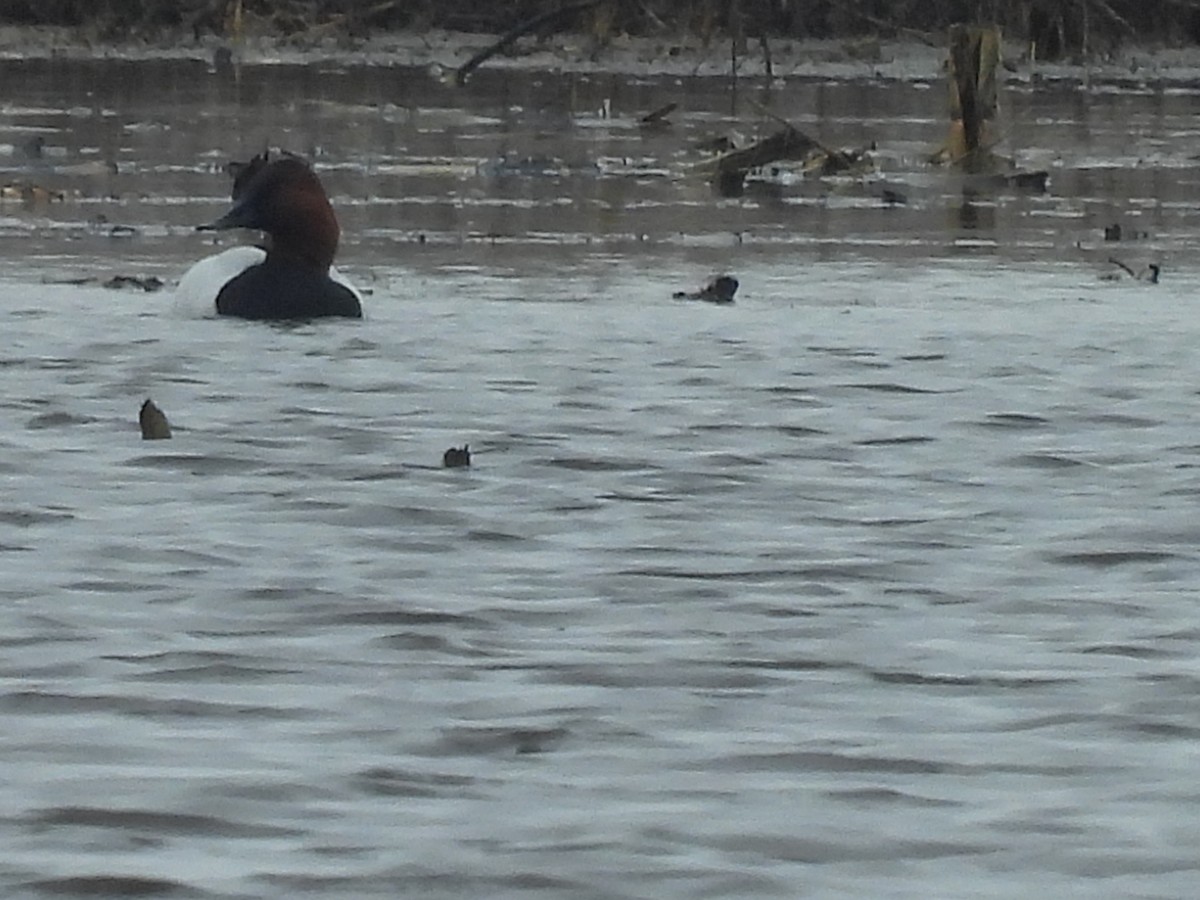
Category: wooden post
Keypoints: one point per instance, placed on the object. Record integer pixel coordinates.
(974, 58)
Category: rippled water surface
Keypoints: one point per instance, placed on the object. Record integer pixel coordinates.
(878, 583)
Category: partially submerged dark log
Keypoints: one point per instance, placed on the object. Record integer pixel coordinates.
(788, 143)
(521, 29)
(659, 116)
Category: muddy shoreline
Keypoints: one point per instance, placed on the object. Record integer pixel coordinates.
(1146, 65)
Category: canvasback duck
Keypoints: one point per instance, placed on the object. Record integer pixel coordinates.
(292, 275)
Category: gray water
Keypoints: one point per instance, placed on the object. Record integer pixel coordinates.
(879, 583)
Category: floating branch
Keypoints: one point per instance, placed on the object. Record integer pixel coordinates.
(1149, 274)
(658, 116)
(789, 143)
(520, 30)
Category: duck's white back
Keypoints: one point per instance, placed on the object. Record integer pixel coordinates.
(196, 295)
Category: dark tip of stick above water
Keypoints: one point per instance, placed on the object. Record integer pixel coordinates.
(153, 420)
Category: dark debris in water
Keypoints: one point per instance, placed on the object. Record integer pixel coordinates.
(153, 421)
(719, 290)
(658, 118)
(147, 283)
(457, 457)
(1149, 273)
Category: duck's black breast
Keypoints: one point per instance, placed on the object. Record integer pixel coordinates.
(282, 290)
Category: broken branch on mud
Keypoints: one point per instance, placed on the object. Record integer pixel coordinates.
(518, 31)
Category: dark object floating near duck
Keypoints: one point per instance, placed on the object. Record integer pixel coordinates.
(149, 284)
(1149, 274)
(153, 420)
(892, 197)
(720, 290)
(457, 457)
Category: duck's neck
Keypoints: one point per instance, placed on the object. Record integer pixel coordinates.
(309, 239)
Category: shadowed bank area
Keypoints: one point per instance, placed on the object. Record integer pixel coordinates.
(1054, 28)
